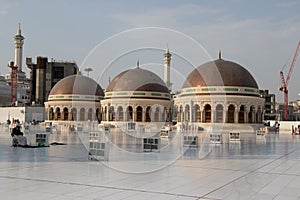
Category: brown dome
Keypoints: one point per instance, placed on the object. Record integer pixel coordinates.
(77, 84)
(220, 73)
(137, 80)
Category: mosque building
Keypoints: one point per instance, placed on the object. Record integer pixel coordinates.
(74, 98)
(136, 95)
(216, 92)
(219, 91)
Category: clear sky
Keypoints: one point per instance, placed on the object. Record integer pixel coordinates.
(259, 35)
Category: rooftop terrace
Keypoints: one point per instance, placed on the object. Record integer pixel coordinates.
(250, 169)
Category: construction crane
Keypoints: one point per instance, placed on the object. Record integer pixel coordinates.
(285, 82)
(14, 80)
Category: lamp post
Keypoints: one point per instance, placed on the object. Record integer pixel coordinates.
(88, 70)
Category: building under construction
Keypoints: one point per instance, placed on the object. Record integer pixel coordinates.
(44, 75)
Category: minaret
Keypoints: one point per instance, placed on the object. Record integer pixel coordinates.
(167, 61)
(18, 41)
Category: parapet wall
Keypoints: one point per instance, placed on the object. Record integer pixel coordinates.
(23, 114)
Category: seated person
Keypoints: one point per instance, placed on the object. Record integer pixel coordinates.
(16, 131)
(18, 138)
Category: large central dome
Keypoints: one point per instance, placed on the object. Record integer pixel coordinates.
(220, 73)
(137, 80)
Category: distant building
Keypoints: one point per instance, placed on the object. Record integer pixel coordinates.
(44, 75)
(270, 105)
(4, 92)
(280, 111)
(296, 110)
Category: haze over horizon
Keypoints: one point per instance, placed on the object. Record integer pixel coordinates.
(260, 36)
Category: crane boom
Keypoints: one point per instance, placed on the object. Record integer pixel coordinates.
(293, 64)
(285, 82)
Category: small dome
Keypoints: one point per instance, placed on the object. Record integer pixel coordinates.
(220, 73)
(137, 80)
(77, 84)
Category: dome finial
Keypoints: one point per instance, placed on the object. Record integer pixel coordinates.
(220, 54)
(167, 49)
(137, 64)
(19, 29)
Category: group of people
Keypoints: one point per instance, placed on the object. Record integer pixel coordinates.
(296, 130)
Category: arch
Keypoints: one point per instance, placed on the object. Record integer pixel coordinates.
(259, 116)
(164, 114)
(197, 113)
(207, 113)
(129, 113)
(156, 114)
(219, 113)
(90, 114)
(111, 114)
(120, 113)
(82, 114)
(98, 115)
(175, 113)
(74, 114)
(148, 114)
(65, 114)
(230, 113)
(169, 114)
(179, 118)
(139, 114)
(104, 113)
(58, 114)
(251, 115)
(187, 113)
(242, 114)
(51, 114)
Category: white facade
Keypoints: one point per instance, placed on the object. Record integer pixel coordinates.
(142, 107)
(72, 108)
(23, 114)
(195, 105)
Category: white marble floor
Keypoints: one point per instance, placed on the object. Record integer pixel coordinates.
(250, 169)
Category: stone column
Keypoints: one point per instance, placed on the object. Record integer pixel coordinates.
(77, 114)
(183, 119)
(143, 115)
(236, 116)
(160, 115)
(193, 118)
(134, 115)
(213, 115)
(191, 113)
(246, 114)
(202, 116)
(86, 114)
(70, 114)
(125, 114)
(107, 113)
(225, 115)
